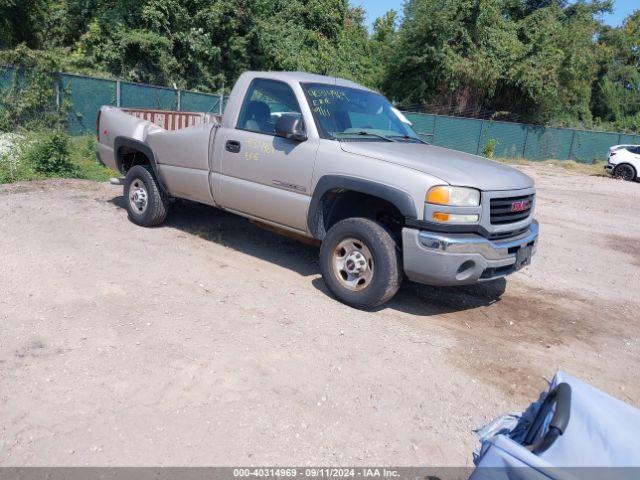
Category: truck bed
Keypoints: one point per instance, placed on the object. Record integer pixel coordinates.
(174, 137)
(172, 120)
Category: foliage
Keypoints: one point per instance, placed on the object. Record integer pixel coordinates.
(46, 154)
(12, 168)
(469, 56)
(29, 98)
(83, 156)
(540, 61)
(49, 155)
(490, 148)
(616, 91)
(20, 21)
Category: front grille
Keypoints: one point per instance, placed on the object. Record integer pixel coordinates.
(501, 209)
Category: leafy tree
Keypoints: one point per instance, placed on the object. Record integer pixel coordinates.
(541, 61)
(616, 91)
(20, 22)
(557, 63)
(27, 98)
(531, 60)
(383, 47)
(452, 53)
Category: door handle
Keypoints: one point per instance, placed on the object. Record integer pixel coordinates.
(232, 146)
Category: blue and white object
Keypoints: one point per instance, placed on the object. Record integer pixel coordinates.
(570, 431)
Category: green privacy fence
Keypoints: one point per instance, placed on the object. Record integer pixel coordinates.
(516, 140)
(85, 95)
(82, 96)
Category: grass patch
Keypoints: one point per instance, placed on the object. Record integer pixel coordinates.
(594, 169)
(83, 155)
(49, 154)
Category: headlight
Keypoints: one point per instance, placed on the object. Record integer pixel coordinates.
(453, 196)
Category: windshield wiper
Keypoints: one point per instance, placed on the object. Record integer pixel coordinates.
(407, 137)
(363, 133)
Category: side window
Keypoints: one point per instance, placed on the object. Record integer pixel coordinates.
(264, 103)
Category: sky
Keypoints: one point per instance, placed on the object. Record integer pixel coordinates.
(377, 8)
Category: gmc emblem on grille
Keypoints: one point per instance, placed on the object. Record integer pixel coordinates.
(520, 206)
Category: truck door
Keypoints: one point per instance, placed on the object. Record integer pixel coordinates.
(263, 175)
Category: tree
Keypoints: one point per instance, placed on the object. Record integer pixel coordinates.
(452, 53)
(383, 46)
(616, 90)
(541, 61)
(528, 60)
(22, 22)
(557, 63)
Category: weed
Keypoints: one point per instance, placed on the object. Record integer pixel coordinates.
(45, 154)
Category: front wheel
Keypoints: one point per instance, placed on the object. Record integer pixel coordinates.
(145, 200)
(360, 263)
(625, 172)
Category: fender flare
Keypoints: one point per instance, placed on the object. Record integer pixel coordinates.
(142, 147)
(399, 198)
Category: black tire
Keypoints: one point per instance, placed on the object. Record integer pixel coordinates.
(386, 269)
(625, 171)
(141, 177)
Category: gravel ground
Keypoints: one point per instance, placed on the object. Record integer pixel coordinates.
(210, 341)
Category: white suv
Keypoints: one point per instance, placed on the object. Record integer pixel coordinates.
(624, 162)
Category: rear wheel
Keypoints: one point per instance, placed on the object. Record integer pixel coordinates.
(625, 171)
(145, 200)
(360, 263)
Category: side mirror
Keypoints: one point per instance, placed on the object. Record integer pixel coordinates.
(291, 126)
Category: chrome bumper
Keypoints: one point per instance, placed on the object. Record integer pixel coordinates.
(460, 259)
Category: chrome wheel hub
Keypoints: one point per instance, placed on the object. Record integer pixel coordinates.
(353, 264)
(138, 197)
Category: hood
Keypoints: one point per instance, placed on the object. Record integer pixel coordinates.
(455, 168)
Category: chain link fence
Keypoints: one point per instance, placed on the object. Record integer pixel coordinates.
(516, 140)
(82, 96)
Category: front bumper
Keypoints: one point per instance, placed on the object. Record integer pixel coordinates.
(463, 258)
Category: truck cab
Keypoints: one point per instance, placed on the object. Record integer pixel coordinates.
(333, 161)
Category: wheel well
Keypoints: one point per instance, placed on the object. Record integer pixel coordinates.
(338, 204)
(129, 157)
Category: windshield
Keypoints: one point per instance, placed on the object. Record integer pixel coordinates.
(349, 113)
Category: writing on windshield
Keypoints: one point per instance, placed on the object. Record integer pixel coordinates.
(321, 99)
(343, 112)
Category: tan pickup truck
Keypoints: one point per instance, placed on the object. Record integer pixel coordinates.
(331, 160)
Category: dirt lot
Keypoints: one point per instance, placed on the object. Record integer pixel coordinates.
(210, 341)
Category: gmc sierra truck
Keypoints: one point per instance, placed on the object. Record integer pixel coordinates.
(334, 161)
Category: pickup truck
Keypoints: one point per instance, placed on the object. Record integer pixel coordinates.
(333, 161)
